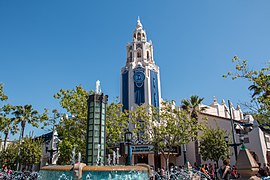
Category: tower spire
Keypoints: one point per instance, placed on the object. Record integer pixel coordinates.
(139, 24)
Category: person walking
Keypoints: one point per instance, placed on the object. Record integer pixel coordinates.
(211, 171)
(225, 170)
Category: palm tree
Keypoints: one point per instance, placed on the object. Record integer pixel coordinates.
(26, 114)
(3, 97)
(7, 123)
(192, 106)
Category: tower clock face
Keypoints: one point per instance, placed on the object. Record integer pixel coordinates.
(138, 77)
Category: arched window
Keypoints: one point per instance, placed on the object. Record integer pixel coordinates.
(134, 35)
(139, 36)
(143, 35)
(130, 54)
(148, 56)
(139, 54)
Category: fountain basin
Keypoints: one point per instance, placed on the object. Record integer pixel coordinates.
(56, 172)
(95, 172)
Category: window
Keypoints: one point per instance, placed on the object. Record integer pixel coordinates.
(96, 140)
(97, 115)
(139, 36)
(139, 54)
(96, 134)
(97, 121)
(91, 120)
(246, 140)
(90, 126)
(91, 115)
(130, 54)
(148, 55)
(91, 109)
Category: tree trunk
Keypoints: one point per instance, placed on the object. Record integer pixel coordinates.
(197, 153)
(6, 138)
(167, 165)
(23, 127)
(168, 168)
(216, 168)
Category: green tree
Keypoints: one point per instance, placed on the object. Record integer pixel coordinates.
(7, 124)
(116, 122)
(192, 107)
(140, 119)
(31, 151)
(49, 125)
(3, 97)
(169, 128)
(9, 156)
(72, 134)
(259, 105)
(72, 131)
(214, 139)
(27, 115)
(4, 112)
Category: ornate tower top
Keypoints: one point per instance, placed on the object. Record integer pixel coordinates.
(139, 34)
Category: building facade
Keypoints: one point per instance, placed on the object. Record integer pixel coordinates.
(246, 131)
(140, 84)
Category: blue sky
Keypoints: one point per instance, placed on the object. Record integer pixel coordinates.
(49, 45)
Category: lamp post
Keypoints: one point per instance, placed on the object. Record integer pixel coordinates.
(185, 153)
(232, 125)
(128, 138)
(234, 144)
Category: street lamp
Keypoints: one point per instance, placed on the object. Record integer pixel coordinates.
(233, 136)
(234, 145)
(185, 153)
(128, 138)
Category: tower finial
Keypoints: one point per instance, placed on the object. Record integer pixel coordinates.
(139, 24)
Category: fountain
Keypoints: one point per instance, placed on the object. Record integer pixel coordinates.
(94, 168)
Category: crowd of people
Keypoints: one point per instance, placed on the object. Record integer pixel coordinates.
(224, 172)
(6, 169)
(264, 171)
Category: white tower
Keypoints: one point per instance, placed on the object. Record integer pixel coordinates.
(140, 78)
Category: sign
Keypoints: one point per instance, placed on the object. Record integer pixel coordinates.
(172, 149)
(147, 149)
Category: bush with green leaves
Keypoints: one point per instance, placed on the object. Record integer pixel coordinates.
(213, 145)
